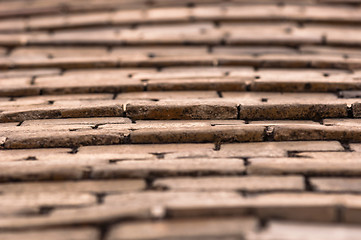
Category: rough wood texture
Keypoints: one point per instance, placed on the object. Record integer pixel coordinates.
(163, 119)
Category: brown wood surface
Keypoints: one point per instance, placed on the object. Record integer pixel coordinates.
(162, 119)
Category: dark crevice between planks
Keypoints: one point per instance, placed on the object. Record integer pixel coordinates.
(308, 185)
(268, 134)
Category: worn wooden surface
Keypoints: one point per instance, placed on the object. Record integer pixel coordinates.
(202, 119)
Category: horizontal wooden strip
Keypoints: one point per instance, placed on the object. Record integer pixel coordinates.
(73, 136)
(290, 111)
(310, 164)
(270, 149)
(164, 110)
(181, 79)
(248, 12)
(171, 109)
(113, 153)
(65, 139)
(40, 7)
(168, 168)
(269, 61)
(202, 13)
(278, 205)
(282, 229)
(170, 132)
(198, 228)
(100, 109)
(58, 199)
(301, 207)
(50, 52)
(247, 183)
(334, 184)
(277, 34)
(82, 233)
(113, 186)
(297, 133)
